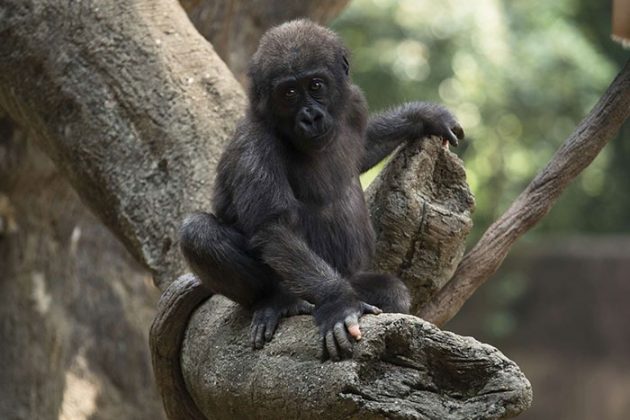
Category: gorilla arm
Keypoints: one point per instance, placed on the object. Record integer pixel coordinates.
(305, 274)
(410, 121)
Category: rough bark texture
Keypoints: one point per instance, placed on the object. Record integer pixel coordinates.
(404, 368)
(234, 27)
(421, 210)
(132, 105)
(578, 151)
(74, 306)
(167, 332)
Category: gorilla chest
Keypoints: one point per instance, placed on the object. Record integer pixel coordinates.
(339, 231)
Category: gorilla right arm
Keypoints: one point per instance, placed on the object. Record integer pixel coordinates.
(305, 274)
(407, 122)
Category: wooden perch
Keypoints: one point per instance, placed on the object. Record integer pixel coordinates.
(403, 368)
(577, 152)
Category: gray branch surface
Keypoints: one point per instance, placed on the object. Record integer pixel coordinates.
(403, 368)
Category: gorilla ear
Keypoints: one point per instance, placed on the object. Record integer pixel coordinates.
(346, 65)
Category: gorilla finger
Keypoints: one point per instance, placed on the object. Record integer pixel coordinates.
(452, 138)
(260, 337)
(366, 308)
(270, 328)
(345, 346)
(458, 130)
(252, 334)
(322, 352)
(352, 324)
(331, 346)
(305, 308)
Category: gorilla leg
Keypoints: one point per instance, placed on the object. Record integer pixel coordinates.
(218, 255)
(385, 291)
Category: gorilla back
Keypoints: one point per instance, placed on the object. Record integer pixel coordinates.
(290, 232)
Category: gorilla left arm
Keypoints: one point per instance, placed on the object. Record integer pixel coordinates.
(410, 121)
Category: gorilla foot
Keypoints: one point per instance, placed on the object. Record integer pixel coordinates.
(267, 314)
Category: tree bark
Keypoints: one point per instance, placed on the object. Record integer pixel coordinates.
(403, 368)
(74, 305)
(131, 104)
(421, 211)
(234, 27)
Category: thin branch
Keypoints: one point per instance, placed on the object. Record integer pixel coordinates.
(578, 151)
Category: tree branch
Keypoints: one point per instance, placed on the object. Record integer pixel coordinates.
(132, 105)
(421, 208)
(403, 368)
(578, 151)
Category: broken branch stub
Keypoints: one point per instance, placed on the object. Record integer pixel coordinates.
(421, 210)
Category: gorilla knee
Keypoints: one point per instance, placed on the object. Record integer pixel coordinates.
(386, 291)
(196, 232)
(400, 298)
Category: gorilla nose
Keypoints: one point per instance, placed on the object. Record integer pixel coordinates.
(309, 117)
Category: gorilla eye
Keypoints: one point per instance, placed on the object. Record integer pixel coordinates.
(316, 84)
(290, 92)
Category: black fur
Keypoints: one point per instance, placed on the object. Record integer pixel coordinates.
(291, 232)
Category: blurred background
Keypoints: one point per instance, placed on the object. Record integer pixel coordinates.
(520, 75)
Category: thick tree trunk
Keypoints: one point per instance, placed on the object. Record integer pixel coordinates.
(74, 305)
(132, 105)
(234, 27)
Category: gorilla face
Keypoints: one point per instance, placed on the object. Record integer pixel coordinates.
(302, 106)
(299, 84)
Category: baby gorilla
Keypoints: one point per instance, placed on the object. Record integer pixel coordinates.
(290, 233)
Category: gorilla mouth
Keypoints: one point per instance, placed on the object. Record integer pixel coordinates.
(321, 135)
(312, 141)
(314, 135)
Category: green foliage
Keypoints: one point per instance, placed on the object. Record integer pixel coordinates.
(519, 75)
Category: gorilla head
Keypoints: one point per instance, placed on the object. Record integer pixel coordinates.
(299, 82)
